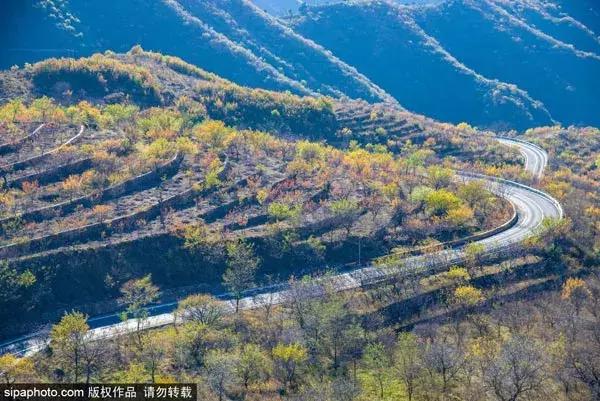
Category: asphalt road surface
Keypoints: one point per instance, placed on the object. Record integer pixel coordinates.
(536, 158)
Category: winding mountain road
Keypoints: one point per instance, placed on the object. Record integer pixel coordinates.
(536, 158)
(531, 205)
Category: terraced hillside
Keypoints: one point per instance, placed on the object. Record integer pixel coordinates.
(160, 223)
(195, 91)
(98, 192)
(118, 213)
(401, 132)
(147, 79)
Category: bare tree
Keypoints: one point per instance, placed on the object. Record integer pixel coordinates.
(444, 363)
(516, 372)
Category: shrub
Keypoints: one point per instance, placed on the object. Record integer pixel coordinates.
(281, 211)
(97, 75)
(441, 202)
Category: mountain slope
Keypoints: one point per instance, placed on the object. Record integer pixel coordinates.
(530, 62)
(231, 37)
(414, 67)
(558, 65)
(491, 62)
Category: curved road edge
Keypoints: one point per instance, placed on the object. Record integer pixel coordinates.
(536, 158)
